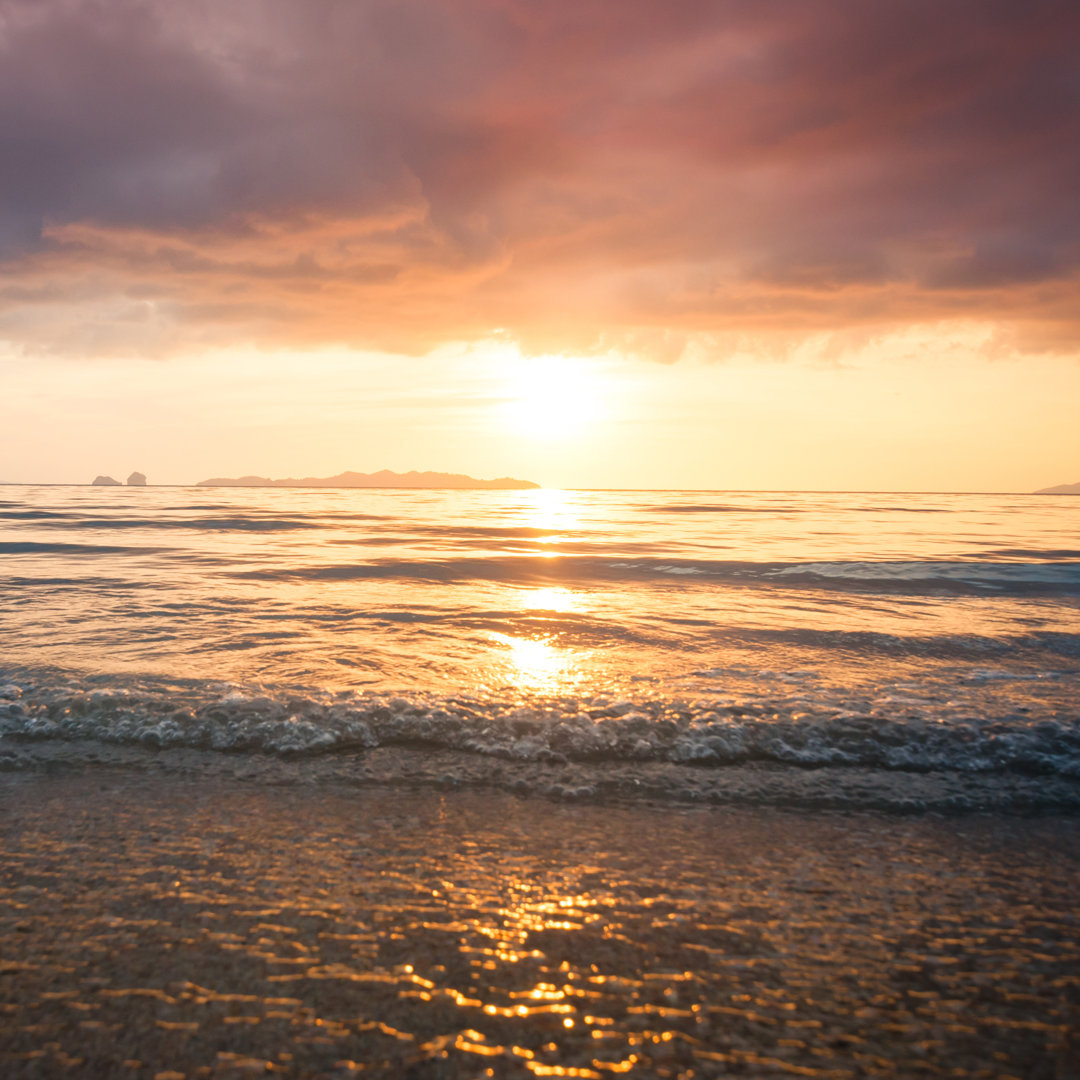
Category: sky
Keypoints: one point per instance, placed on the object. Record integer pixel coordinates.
(805, 244)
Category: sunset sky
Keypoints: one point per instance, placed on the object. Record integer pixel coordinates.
(602, 243)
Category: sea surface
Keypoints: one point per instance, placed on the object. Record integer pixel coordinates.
(885, 651)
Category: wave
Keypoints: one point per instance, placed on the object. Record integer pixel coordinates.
(725, 508)
(930, 646)
(955, 577)
(233, 523)
(1039, 554)
(717, 508)
(32, 547)
(908, 737)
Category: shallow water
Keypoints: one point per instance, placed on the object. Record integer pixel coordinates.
(231, 930)
(896, 637)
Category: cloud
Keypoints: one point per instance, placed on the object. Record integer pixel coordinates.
(400, 173)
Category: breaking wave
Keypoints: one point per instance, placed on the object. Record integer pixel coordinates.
(899, 739)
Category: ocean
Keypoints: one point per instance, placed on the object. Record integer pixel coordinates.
(895, 652)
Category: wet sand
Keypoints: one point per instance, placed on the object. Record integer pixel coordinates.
(169, 927)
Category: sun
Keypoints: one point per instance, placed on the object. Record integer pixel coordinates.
(553, 397)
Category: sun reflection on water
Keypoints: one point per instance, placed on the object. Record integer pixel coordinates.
(551, 509)
(537, 664)
(555, 598)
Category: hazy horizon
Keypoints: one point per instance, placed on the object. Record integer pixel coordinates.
(279, 486)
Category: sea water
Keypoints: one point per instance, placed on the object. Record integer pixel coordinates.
(896, 651)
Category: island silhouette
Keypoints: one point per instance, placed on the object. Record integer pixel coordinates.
(136, 479)
(1061, 489)
(385, 478)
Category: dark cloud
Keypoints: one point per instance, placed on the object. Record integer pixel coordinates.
(397, 172)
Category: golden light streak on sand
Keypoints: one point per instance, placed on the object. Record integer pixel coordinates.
(582, 933)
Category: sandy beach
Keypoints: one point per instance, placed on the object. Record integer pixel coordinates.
(166, 927)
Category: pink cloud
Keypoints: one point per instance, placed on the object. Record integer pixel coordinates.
(401, 173)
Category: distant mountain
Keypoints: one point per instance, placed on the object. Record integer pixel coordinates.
(1061, 489)
(105, 481)
(383, 479)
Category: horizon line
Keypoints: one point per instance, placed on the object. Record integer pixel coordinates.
(541, 487)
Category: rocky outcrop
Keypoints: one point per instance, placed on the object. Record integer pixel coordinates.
(106, 481)
(136, 479)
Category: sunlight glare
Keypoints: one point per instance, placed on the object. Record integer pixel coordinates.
(538, 665)
(553, 397)
(552, 599)
(550, 509)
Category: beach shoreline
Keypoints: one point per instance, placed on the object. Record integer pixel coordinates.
(764, 784)
(169, 925)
